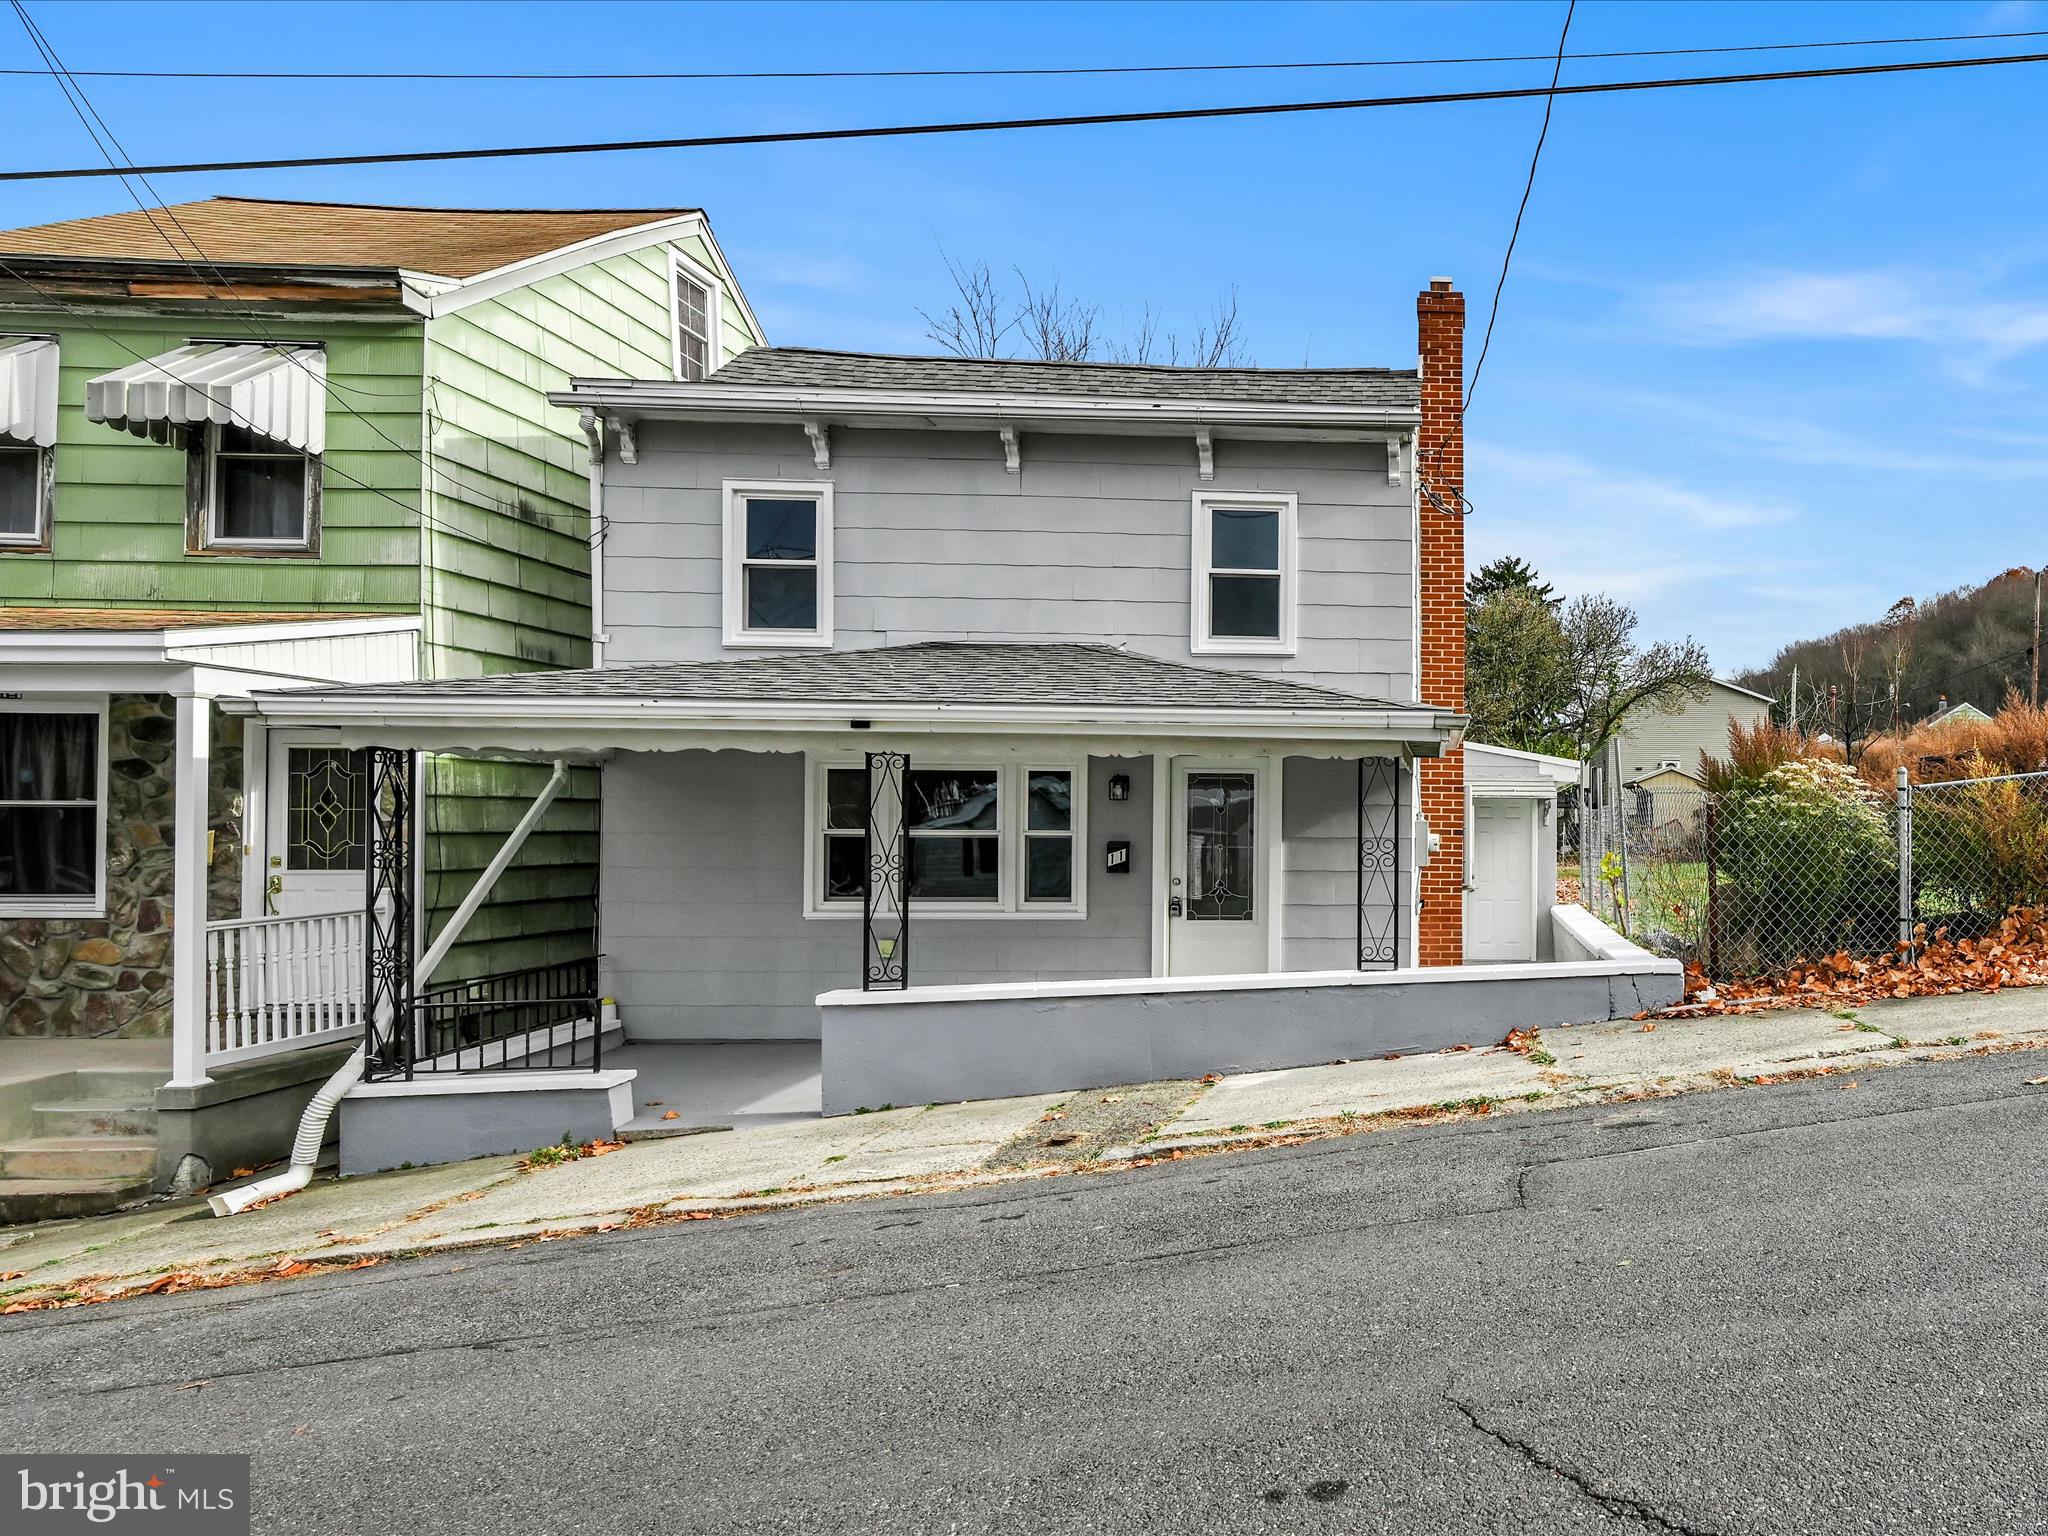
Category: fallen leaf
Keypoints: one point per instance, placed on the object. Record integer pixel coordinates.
(12, 1274)
(1648, 1029)
(191, 1386)
(656, 1103)
(2032, 1082)
(1062, 1139)
(674, 1114)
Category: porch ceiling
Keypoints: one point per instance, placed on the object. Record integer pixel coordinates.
(789, 702)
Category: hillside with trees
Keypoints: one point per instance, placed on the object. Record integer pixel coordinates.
(1973, 645)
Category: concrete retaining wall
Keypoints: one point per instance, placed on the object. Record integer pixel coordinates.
(244, 1118)
(449, 1119)
(938, 1044)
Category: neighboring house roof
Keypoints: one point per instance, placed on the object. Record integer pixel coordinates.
(1956, 712)
(446, 242)
(1486, 763)
(149, 620)
(813, 368)
(932, 672)
(1746, 692)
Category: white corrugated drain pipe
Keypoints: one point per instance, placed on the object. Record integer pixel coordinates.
(313, 1123)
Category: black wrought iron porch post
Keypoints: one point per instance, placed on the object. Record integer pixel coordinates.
(885, 898)
(388, 916)
(1379, 863)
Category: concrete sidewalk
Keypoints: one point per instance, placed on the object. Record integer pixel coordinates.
(896, 1151)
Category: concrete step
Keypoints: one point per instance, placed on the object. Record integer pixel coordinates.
(128, 1084)
(79, 1157)
(26, 1200)
(88, 1117)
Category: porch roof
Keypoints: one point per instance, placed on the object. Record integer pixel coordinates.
(1049, 688)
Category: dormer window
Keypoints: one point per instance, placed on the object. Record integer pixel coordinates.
(693, 299)
(28, 435)
(1244, 564)
(778, 563)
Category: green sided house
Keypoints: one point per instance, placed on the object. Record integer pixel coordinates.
(250, 444)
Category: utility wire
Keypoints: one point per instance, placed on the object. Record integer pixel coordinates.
(1514, 234)
(82, 106)
(990, 74)
(996, 125)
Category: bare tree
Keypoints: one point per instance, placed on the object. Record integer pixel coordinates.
(973, 324)
(1048, 323)
(1896, 632)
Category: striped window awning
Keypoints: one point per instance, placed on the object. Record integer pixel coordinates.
(278, 393)
(28, 390)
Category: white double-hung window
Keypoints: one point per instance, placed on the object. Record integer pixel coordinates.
(778, 563)
(53, 808)
(1244, 570)
(693, 302)
(989, 839)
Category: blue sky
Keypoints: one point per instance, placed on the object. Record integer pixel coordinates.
(1770, 357)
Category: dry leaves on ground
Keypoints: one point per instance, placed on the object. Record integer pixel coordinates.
(2014, 954)
(178, 1280)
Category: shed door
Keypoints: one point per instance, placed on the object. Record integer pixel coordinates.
(1500, 908)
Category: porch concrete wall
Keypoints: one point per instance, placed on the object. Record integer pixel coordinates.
(246, 1116)
(934, 539)
(701, 904)
(991, 1042)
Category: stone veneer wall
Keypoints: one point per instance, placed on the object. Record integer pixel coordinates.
(83, 977)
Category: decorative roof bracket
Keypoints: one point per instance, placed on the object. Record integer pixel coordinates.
(821, 443)
(1013, 457)
(1205, 449)
(1393, 461)
(622, 429)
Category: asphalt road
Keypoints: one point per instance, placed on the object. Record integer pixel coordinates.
(1809, 1308)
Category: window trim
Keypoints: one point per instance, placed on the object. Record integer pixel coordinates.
(732, 557)
(1200, 640)
(203, 502)
(94, 905)
(1013, 780)
(714, 313)
(37, 540)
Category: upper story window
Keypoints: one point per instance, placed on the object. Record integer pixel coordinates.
(693, 297)
(778, 563)
(1244, 565)
(28, 435)
(258, 494)
(53, 819)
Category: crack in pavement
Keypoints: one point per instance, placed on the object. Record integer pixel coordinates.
(1625, 1505)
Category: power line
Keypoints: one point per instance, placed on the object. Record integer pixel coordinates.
(995, 125)
(1514, 234)
(989, 74)
(82, 105)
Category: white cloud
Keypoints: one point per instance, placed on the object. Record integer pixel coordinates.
(1585, 490)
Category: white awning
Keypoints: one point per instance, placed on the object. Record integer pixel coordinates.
(277, 393)
(28, 390)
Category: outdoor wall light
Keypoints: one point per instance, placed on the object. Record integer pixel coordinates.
(1119, 786)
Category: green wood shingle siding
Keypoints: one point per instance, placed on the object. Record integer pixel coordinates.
(118, 525)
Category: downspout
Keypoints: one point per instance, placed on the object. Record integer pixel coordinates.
(593, 429)
(313, 1123)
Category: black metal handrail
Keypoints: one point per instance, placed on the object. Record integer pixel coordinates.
(526, 1019)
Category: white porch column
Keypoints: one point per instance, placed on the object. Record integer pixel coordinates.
(188, 891)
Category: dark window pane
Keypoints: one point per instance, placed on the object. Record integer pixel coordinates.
(1049, 869)
(782, 597)
(846, 803)
(260, 499)
(21, 473)
(1244, 540)
(48, 852)
(953, 869)
(951, 798)
(1052, 802)
(1222, 847)
(49, 757)
(846, 868)
(326, 809)
(781, 530)
(1245, 606)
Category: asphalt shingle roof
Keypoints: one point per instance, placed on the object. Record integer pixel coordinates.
(812, 368)
(930, 672)
(447, 242)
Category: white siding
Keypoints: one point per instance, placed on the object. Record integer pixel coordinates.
(1702, 726)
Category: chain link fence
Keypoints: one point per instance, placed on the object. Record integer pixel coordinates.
(1755, 880)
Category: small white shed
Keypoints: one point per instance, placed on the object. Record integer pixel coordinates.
(1511, 863)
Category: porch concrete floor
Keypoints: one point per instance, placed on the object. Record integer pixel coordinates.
(737, 1083)
(23, 1059)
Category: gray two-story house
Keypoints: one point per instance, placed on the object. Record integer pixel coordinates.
(943, 704)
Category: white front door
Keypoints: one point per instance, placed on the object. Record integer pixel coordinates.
(317, 828)
(1500, 908)
(1218, 904)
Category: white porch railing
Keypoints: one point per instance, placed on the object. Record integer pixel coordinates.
(274, 984)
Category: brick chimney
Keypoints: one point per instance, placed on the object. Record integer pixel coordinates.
(1440, 463)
